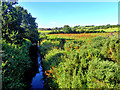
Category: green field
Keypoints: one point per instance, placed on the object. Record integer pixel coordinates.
(46, 32)
(106, 30)
(109, 29)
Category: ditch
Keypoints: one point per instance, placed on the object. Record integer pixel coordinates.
(37, 81)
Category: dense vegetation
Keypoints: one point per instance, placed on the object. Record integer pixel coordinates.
(15, 62)
(69, 60)
(81, 29)
(92, 63)
(19, 31)
(18, 24)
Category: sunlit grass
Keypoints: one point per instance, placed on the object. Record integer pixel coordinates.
(106, 30)
(46, 32)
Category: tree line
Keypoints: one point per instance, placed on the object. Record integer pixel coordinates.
(68, 29)
(18, 24)
(82, 29)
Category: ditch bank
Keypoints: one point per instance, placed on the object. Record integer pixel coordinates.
(33, 72)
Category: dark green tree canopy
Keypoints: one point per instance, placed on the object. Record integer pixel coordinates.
(18, 24)
(67, 29)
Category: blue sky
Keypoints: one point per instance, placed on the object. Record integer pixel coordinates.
(58, 14)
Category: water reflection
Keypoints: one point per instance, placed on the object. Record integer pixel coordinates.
(38, 81)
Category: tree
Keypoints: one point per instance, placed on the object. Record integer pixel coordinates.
(67, 29)
(18, 24)
(32, 35)
(29, 24)
(73, 29)
(10, 21)
(58, 30)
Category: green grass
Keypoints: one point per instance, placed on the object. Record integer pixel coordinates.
(106, 30)
(46, 32)
(110, 29)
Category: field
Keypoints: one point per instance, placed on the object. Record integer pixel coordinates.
(106, 30)
(109, 29)
(84, 36)
(81, 60)
(46, 32)
(77, 36)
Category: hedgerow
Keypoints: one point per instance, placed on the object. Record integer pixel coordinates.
(15, 62)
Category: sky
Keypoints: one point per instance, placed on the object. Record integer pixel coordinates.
(58, 14)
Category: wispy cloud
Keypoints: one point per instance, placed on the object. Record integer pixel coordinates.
(53, 22)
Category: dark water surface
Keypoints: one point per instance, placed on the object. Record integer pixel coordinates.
(37, 81)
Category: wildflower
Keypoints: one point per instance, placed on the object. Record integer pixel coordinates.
(111, 33)
(67, 49)
(49, 71)
(12, 56)
(79, 47)
(90, 41)
(53, 68)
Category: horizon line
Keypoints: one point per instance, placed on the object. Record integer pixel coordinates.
(80, 25)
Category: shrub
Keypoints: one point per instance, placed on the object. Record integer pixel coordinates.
(15, 62)
(85, 64)
(103, 74)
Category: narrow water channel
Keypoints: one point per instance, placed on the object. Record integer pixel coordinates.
(37, 81)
